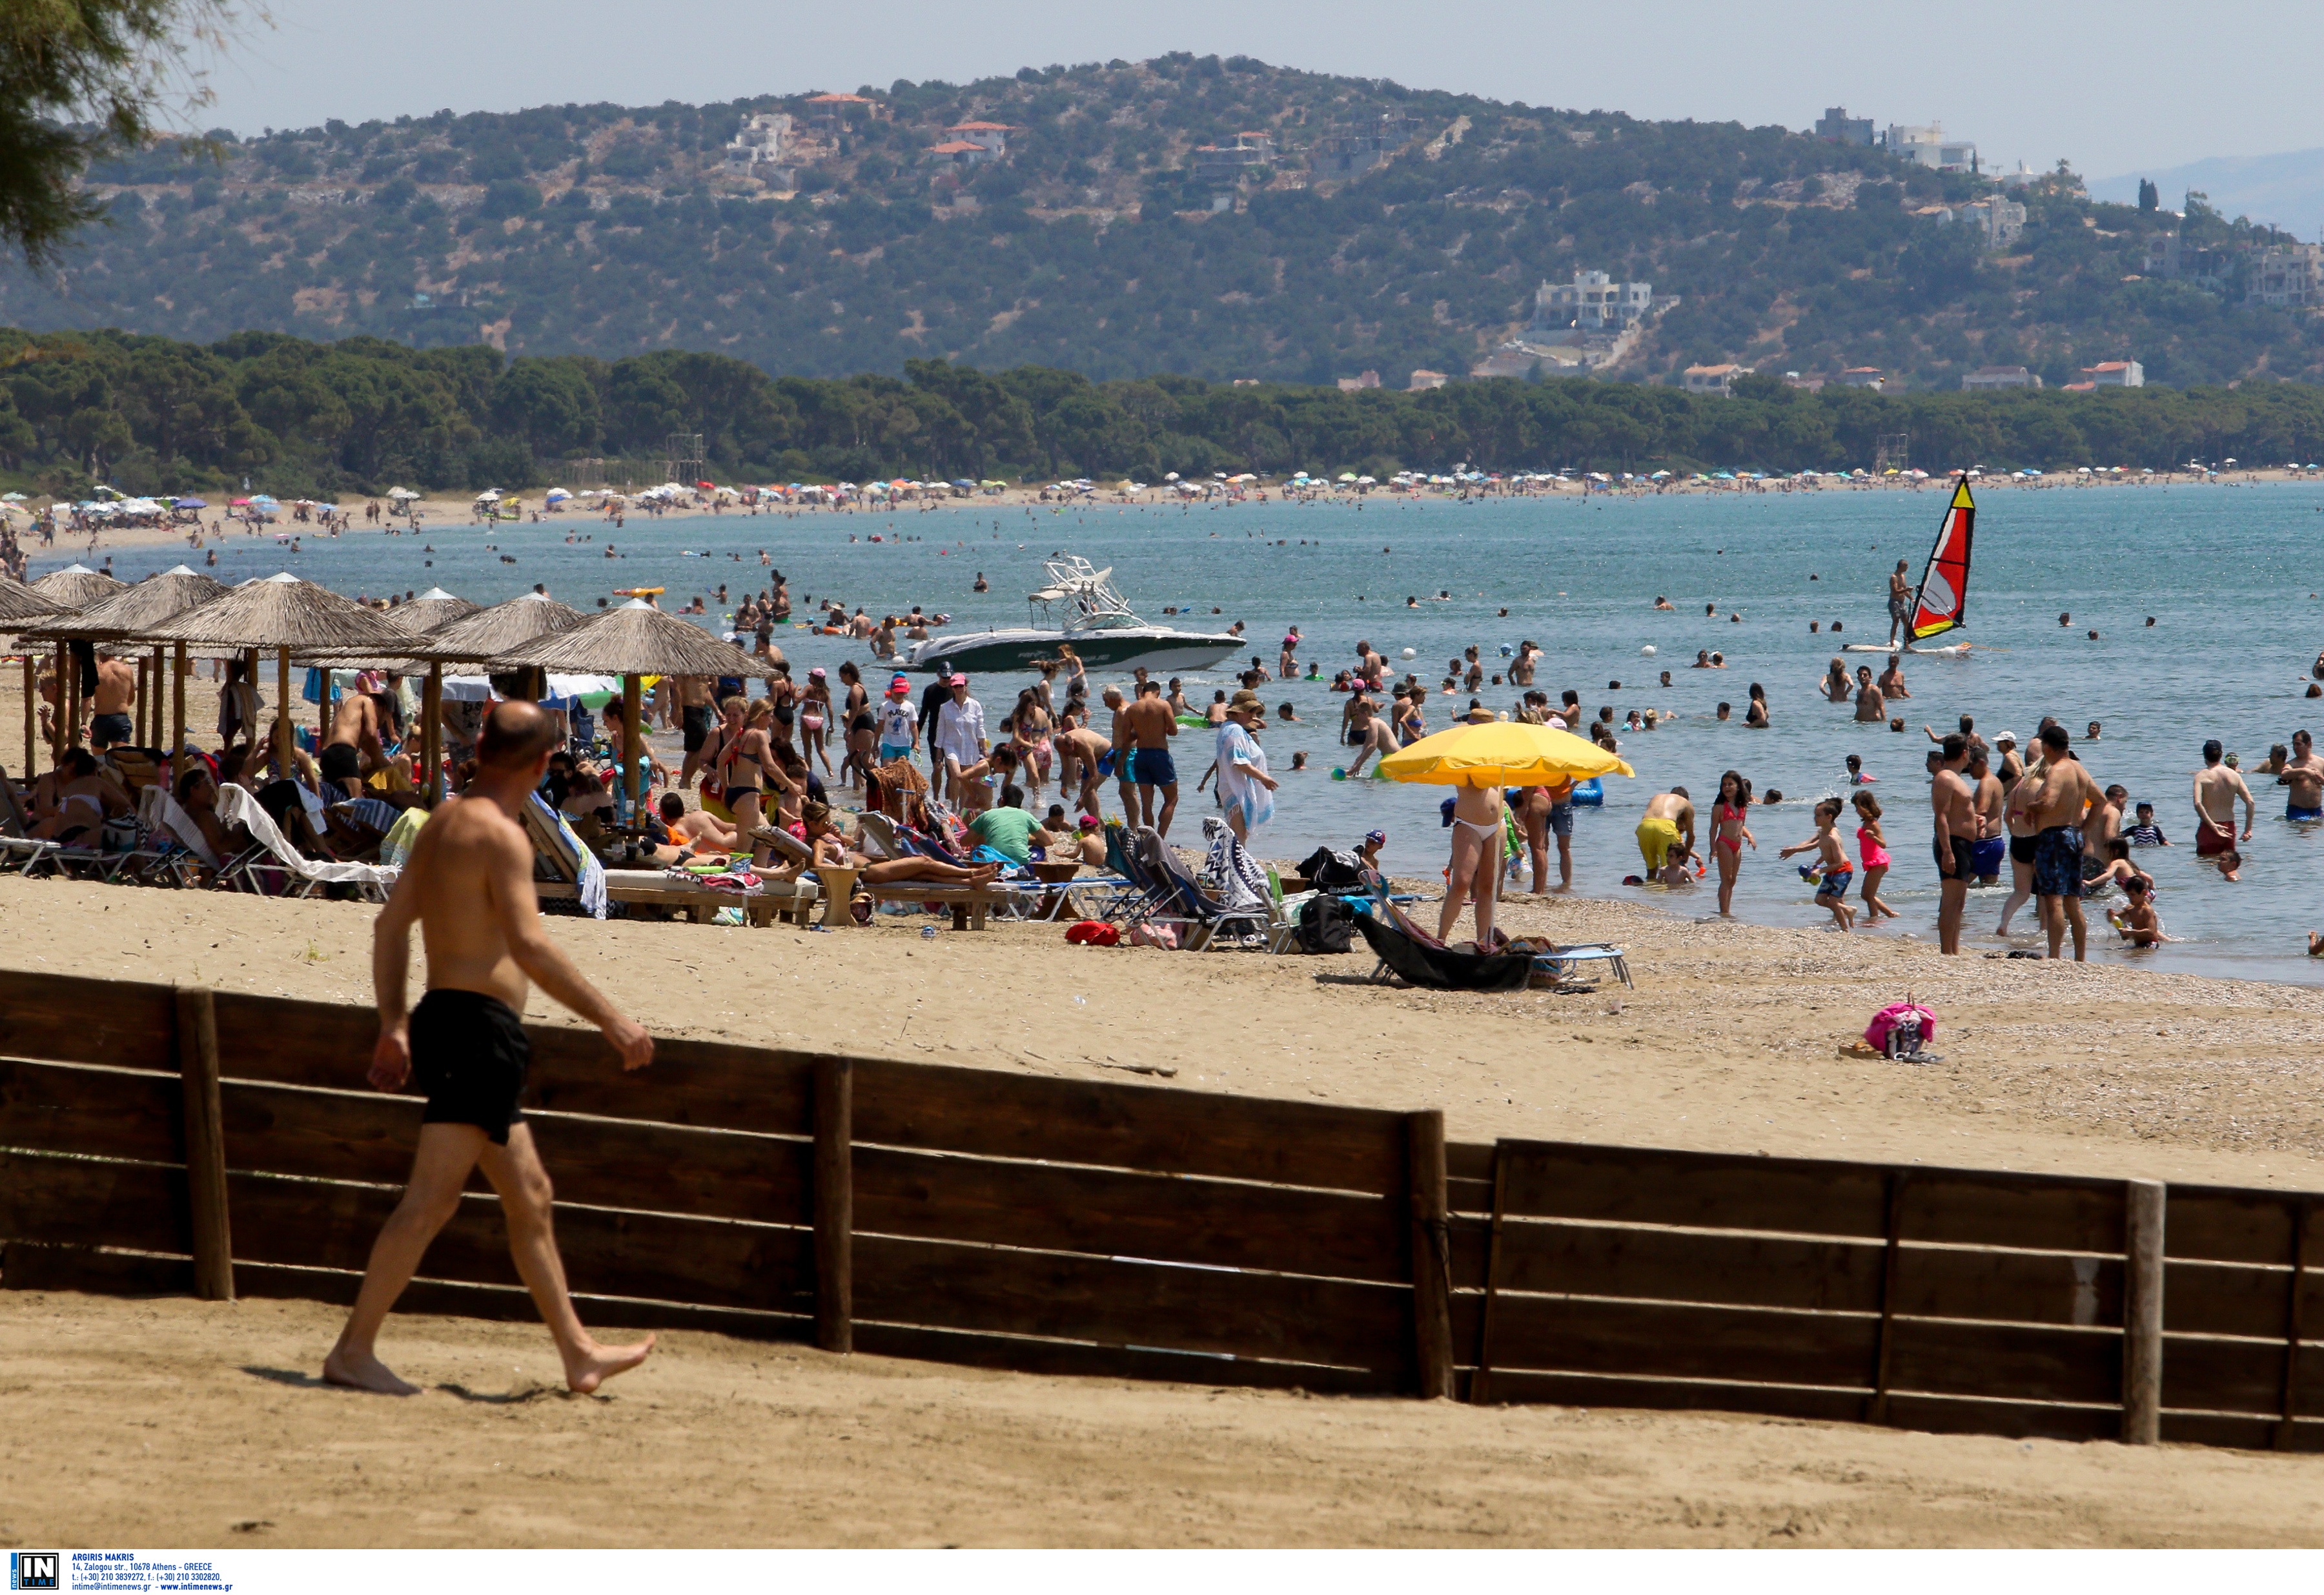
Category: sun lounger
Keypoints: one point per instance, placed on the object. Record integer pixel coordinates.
(1180, 899)
(560, 861)
(881, 838)
(302, 876)
(16, 840)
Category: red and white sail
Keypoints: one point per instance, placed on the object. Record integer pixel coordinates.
(1942, 602)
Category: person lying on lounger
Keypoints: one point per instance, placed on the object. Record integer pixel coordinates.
(831, 852)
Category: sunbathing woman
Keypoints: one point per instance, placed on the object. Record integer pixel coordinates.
(832, 853)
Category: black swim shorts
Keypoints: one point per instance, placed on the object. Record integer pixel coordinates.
(2058, 863)
(2023, 848)
(340, 762)
(469, 1052)
(106, 730)
(1958, 863)
(696, 719)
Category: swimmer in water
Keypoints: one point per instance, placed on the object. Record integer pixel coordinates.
(2136, 922)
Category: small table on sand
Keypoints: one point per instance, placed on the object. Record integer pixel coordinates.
(838, 894)
(1054, 876)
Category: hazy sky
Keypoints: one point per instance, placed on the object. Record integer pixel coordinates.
(2112, 84)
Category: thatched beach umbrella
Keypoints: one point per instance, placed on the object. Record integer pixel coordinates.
(290, 615)
(19, 603)
(633, 641)
(489, 636)
(77, 586)
(127, 616)
(431, 609)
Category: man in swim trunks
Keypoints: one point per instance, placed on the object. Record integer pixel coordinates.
(695, 714)
(354, 748)
(1142, 738)
(2066, 794)
(1900, 605)
(1992, 847)
(1952, 802)
(2305, 776)
(468, 885)
(1892, 679)
(109, 704)
(2217, 788)
(1669, 824)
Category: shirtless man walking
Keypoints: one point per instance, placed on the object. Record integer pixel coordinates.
(469, 886)
(2305, 776)
(1141, 742)
(1079, 750)
(1953, 803)
(2066, 794)
(1900, 605)
(2217, 788)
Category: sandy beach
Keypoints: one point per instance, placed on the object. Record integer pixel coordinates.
(1738, 1038)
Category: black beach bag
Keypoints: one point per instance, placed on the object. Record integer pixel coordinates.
(1441, 968)
(1326, 925)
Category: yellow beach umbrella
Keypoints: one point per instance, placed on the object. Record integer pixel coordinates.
(1501, 753)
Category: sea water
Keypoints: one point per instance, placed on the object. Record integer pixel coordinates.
(2229, 573)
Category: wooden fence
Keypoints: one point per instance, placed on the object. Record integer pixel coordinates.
(161, 1140)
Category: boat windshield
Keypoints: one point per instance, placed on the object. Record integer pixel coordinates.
(1086, 597)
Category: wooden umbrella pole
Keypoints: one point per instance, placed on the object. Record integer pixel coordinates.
(282, 765)
(249, 674)
(178, 716)
(31, 714)
(71, 733)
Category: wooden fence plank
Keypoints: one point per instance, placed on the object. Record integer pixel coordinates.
(75, 1202)
(2201, 1373)
(307, 1223)
(1621, 1185)
(708, 1084)
(2225, 1298)
(2005, 1362)
(1282, 1317)
(1831, 1276)
(1473, 1247)
(70, 1020)
(1019, 1355)
(94, 1112)
(2222, 1224)
(1943, 1415)
(2142, 1312)
(1430, 1243)
(638, 1164)
(834, 1205)
(1155, 1128)
(1676, 1341)
(1117, 1212)
(205, 1143)
(1571, 1389)
(1811, 1197)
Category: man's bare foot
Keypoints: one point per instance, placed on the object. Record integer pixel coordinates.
(594, 1367)
(364, 1372)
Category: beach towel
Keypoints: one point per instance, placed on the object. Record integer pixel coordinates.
(588, 874)
(1899, 1029)
(395, 847)
(1229, 869)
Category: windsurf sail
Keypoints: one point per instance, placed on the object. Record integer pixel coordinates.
(1942, 604)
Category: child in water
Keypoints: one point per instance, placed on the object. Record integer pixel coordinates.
(1836, 873)
(2136, 921)
(1855, 776)
(1872, 843)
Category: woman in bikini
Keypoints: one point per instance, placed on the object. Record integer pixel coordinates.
(1076, 676)
(1834, 687)
(1730, 830)
(743, 761)
(2024, 841)
(862, 725)
(1477, 831)
(1872, 842)
(1412, 721)
(1029, 735)
(814, 715)
(1756, 716)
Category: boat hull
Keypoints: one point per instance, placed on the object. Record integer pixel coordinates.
(1123, 649)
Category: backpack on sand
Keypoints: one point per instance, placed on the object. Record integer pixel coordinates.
(1326, 925)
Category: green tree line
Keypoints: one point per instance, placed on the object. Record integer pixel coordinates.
(149, 415)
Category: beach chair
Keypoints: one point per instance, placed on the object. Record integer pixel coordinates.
(1181, 898)
(881, 836)
(301, 876)
(561, 867)
(16, 841)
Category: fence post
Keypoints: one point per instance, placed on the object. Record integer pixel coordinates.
(2141, 1312)
(1431, 1253)
(198, 1071)
(835, 1205)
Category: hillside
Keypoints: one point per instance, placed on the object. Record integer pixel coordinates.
(1374, 227)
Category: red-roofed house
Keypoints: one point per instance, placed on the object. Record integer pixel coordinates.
(2115, 373)
(992, 136)
(961, 153)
